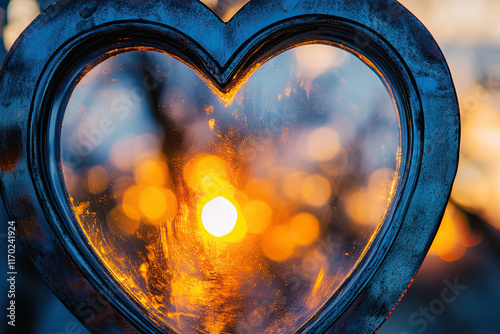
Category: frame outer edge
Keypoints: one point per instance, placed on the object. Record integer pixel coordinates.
(440, 125)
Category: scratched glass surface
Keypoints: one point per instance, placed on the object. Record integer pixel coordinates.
(236, 213)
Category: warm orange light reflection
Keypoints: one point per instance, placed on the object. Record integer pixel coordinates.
(211, 124)
(323, 144)
(292, 184)
(316, 190)
(207, 173)
(366, 204)
(151, 172)
(454, 236)
(157, 204)
(225, 216)
(278, 243)
(258, 216)
(305, 228)
(97, 180)
(126, 152)
(219, 217)
(119, 222)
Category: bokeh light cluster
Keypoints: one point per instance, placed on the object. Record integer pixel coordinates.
(211, 210)
(137, 203)
(470, 36)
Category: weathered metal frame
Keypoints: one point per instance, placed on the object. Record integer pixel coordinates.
(70, 33)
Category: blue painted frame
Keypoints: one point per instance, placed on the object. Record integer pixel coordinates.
(69, 34)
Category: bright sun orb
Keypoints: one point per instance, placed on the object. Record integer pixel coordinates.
(219, 217)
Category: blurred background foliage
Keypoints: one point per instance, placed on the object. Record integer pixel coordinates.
(467, 247)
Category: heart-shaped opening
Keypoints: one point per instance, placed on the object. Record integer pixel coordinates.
(243, 215)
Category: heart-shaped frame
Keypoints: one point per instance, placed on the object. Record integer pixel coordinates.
(70, 34)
